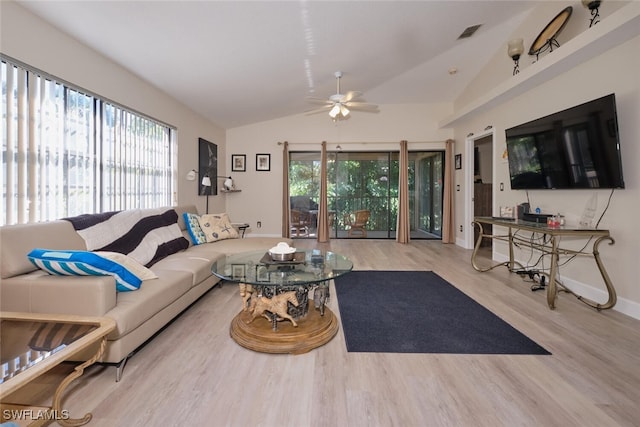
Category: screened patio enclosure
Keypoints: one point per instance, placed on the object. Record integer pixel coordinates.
(366, 181)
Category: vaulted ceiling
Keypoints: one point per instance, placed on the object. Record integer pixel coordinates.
(241, 62)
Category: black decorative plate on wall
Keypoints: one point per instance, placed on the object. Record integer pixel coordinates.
(547, 37)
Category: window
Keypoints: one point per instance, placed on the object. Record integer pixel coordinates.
(67, 152)
(367, 181)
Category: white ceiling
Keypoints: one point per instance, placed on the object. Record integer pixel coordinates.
(241, 62)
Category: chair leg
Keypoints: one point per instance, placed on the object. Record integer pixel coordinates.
(361, 232)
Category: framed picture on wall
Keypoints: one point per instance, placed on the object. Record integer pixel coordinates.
(458, 161)
(238, 163)
(263, 162)
(207, 166)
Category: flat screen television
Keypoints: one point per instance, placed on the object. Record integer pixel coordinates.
(574, 148)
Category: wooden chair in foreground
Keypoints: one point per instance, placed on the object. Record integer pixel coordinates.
(357, 222)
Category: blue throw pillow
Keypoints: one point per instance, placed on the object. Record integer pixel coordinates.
(83, 263)
(193, 226)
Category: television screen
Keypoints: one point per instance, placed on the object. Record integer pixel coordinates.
(574, 148)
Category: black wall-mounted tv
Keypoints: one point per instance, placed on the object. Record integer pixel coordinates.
(574, 148)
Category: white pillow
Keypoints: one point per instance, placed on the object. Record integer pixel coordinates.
(217, 227)
(130, 264)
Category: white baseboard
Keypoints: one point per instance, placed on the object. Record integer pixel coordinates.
(462, 243)
(624, 306)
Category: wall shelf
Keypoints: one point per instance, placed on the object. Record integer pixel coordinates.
(619, 27)
(229, 191)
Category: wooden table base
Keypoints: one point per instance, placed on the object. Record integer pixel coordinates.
(313, 331)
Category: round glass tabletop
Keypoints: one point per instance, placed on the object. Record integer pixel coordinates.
(257, 268)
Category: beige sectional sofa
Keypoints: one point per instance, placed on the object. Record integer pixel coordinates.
(183, 277)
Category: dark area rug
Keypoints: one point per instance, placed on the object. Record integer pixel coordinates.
(420, 312)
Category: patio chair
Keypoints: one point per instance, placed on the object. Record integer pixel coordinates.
(357, 222)
(299, 223)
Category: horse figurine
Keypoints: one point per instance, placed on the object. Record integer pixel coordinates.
(245, 292)
(278, 306)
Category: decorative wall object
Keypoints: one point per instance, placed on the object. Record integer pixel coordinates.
(458, 161)
(263, 162)
(207, 166)
(546, 40)
(238, 163)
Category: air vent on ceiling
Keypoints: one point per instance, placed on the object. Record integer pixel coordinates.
(469, 31)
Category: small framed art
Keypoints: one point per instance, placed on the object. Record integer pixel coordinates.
(238, 163)
(263, 162)
(458, 161)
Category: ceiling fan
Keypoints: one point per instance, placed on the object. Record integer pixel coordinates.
(340, 105)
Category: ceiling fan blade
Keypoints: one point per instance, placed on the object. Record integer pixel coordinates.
(352, 94)
(319, 110)
(314, 100)
(362, 106)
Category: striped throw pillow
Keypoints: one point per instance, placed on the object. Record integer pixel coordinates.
(83, 263)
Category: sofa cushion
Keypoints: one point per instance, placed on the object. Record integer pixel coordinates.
(17, 240)
(217, 227)
(146, 235)
(83, 263)
(135, 308)
(41, 292)
(192, 223)
(235, 246)
(197, 263)
(130, 264)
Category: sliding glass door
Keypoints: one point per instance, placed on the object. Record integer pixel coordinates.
(362, 194)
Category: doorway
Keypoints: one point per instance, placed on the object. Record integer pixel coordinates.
(367, 183)
(483, 188)
(479, 180)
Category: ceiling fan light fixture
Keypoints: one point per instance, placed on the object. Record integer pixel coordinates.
(334, 111)
(339, 105)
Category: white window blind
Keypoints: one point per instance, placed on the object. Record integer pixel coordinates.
(67, 152)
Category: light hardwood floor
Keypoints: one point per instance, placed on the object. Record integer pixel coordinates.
(193, 374)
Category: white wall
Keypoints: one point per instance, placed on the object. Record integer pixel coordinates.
(615, 71)
(537, 18)
(261, 196)
(31, 40)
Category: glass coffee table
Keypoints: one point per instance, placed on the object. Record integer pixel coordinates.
(283, 302)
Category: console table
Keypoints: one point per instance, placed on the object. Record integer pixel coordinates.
(549, 245)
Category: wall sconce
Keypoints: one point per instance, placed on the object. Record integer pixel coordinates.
(206, 182)
(515, 48)
(593, 6)
(191, 175)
